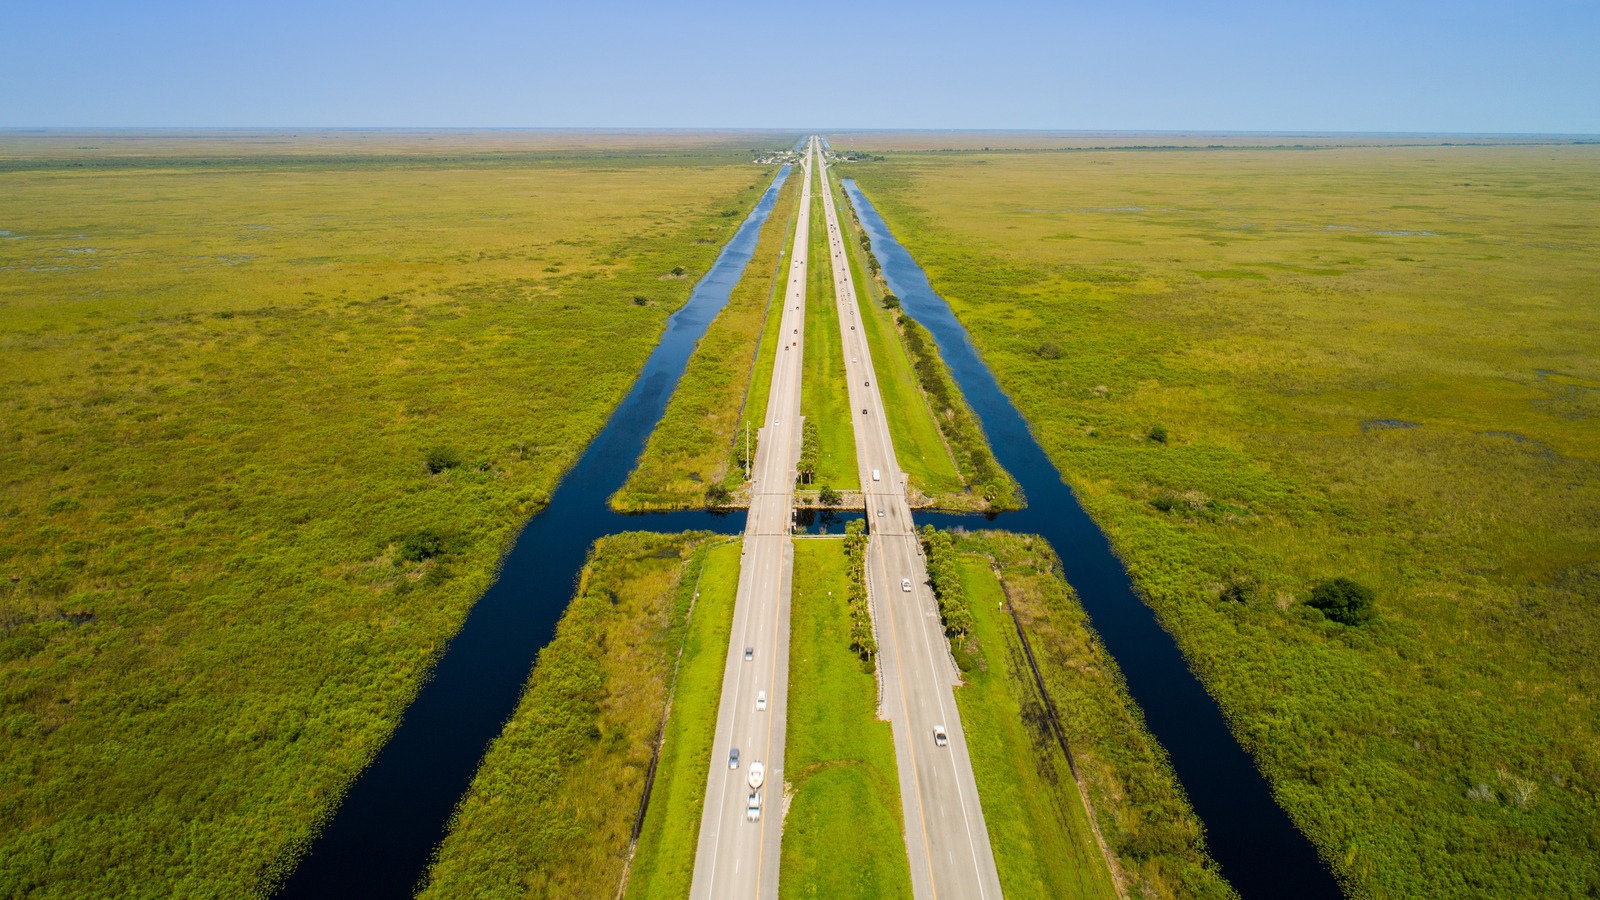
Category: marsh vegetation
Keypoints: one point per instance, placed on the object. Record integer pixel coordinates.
(1265, 369)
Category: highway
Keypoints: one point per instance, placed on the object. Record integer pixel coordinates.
(737, 857)
(946, 839)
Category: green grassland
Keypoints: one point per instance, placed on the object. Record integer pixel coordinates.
(1044, 845)
(919, 446)
(554, 800)
(689, 451)
(1373, 362)
(228, 563)
(842, 836)
(824, 394)
(663, 864)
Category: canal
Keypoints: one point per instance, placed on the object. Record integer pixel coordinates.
(382, 836)
(1260, 851)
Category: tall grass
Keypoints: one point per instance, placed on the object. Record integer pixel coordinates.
(228, 562)
(1372, 362)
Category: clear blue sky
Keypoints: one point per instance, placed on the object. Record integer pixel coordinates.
(1462, 66)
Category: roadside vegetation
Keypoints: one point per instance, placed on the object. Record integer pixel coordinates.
(1047, 842)
(269, 425)
(938, 439)
(663, 862)
(553, 804)
(824, 393)
(843, 834)
(1262, 370)
(696, 454)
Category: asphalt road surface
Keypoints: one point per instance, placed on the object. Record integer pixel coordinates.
(737, 857)
(946, 839)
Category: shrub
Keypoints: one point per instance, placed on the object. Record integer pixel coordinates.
(640, 300)
(890, 301)
(1343, 600)
(828, 496)
(1158, 433)
(1049, 350)
(424, 543)
(717, 495)
(1240, 588)
(441, 458)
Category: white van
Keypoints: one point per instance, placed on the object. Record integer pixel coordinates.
(876, 476)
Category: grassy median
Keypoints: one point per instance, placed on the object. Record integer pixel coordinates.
(824, 394)
(843, 836)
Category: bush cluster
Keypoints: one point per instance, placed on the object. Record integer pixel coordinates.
(946, 580)
(960, 428)
(861, 639)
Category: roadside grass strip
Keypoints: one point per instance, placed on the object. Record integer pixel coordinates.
(663, 861)
(689, 451)
(1043, 844)
(553, 803)
(824, 395)
(919, 447)
(1038, 824)
(842, 837)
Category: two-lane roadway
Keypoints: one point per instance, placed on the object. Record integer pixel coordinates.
(946, 839)
(737, 855)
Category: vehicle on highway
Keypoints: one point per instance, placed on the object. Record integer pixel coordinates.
(852, 359)
(758, 774)
(905, 583)
(940, 737)
(749, 653)
(876, 475)
(867, 383)
(733, 758)
(761, 702)
(752, 810)
(863, 410)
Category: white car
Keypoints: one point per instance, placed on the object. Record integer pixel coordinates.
(940, 736)
(905, 585)
(752, 812)
(749, 653)
(761, 702)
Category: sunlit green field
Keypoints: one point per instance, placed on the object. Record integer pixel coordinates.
(1381, 363)
(271, 415)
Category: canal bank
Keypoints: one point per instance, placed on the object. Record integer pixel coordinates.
(1252, 839)
(379, 841)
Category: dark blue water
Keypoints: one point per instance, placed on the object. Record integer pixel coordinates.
(381, 839)
(1260, 851)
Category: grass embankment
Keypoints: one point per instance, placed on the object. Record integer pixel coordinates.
(824, 395)
(1378, 363)
(689, 452)
(227, 564)
(663, 864)
(1045, 845)
(553, 803)
(843, 836)
(914, 382)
